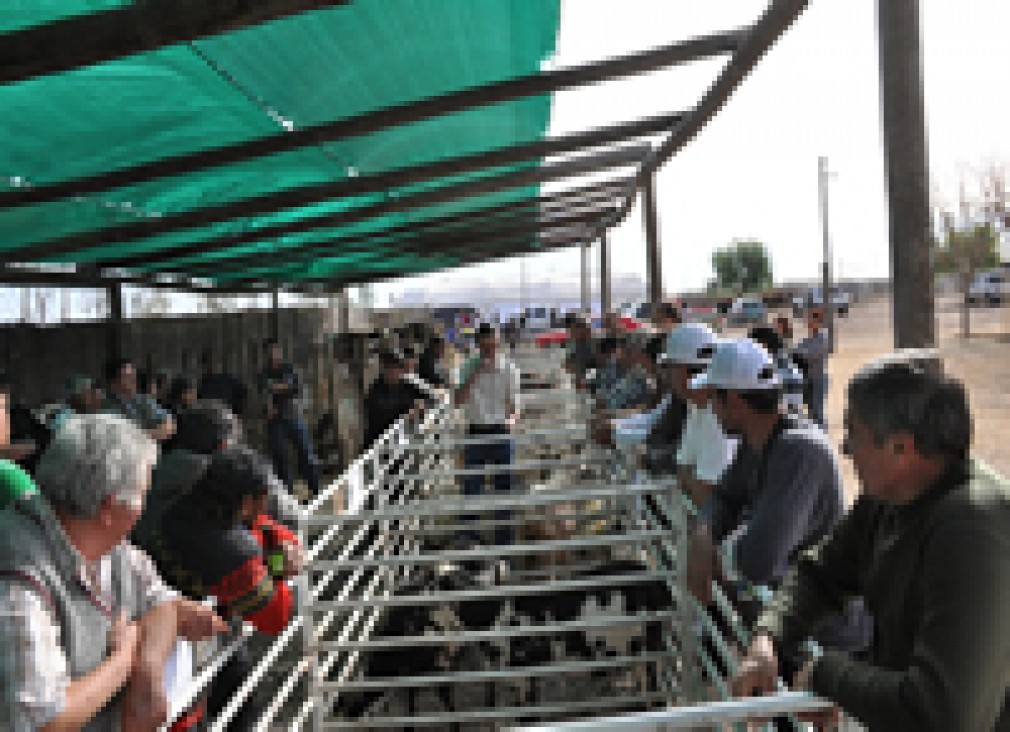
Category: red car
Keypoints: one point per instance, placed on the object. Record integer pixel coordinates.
(559, 337)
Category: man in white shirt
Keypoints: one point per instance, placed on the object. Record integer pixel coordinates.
(489, 395)
(705, 451)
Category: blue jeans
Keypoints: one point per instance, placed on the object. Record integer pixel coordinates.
(499, 452)
(281, 430)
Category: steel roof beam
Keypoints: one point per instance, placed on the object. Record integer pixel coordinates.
(142, 25)
(564, 200)
(570, 167)
(477, 253)
(374, 183)
(528, 217)
(430, 244)
(544, 82)
(528, 246)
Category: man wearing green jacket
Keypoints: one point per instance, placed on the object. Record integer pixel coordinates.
(927, 545)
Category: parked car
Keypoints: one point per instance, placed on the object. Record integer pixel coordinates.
(747, 311)
(538, 319)
(840, 301)
(989, 288)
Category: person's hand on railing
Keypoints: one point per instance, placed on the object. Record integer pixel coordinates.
(758, 673)
(196, 621)
(823, 719)
(294, 558)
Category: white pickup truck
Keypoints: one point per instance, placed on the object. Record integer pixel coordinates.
(989, 288)
(840, 301)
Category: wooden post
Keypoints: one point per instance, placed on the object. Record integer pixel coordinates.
(904, 122)
(653, 262)
(605, 294)
(586, 304)
(275, 314)
(114, 324)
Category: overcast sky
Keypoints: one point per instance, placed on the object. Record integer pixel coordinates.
(752, 172)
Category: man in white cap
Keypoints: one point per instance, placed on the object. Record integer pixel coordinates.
(705, 451)
(781, 495)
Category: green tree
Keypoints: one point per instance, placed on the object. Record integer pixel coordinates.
(743, 266)
(968, 250)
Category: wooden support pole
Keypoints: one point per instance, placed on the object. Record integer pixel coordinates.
(904, 121)
(114, 324)
(653, 261)
(275, 314)
(586, 304)
(605, 294)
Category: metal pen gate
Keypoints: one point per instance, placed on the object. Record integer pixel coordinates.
(413, 615)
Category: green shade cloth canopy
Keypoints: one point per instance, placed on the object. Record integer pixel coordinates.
(299, 71)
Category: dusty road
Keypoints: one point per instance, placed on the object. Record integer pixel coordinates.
(981, 362)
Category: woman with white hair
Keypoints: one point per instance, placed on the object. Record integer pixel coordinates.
(84, 614)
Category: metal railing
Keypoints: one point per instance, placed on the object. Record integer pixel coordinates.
(360, 481)
(578, 510)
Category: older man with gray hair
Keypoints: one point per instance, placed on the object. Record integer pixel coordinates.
(83, 614)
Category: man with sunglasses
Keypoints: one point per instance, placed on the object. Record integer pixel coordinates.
(781, 495)
(928, 545)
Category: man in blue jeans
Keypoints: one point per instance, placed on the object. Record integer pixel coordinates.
(812, 353)
(489, 395)
(281, 387)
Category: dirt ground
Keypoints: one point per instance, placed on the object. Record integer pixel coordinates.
(980, 361)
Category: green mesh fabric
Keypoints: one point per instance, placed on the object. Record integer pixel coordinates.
(299, 71)
(18, 14)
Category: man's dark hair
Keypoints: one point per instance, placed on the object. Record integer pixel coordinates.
(907, 393)
(6, 385)
(180, 384)
(232, 474)
(204, 426)
(268, 343)
(762, 401)
(485, 330)
(655, 346)
(668, 310)
(767, 337)
(114, 366)
(607, 345)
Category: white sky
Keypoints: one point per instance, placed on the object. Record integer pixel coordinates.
(752, 172)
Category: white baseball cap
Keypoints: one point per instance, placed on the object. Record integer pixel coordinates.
(691, 344)
(739, 364)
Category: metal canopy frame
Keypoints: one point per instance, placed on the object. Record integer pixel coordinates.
(538, 223)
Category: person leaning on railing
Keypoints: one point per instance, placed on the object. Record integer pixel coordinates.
(84, 615)
(781, 494)
(217, 539)
(927, 544)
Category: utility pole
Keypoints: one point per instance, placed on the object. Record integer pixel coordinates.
(823, 174)
(904, 121)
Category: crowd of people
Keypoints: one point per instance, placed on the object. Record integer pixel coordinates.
(892, 608)
(138, 499)
(121, 512)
